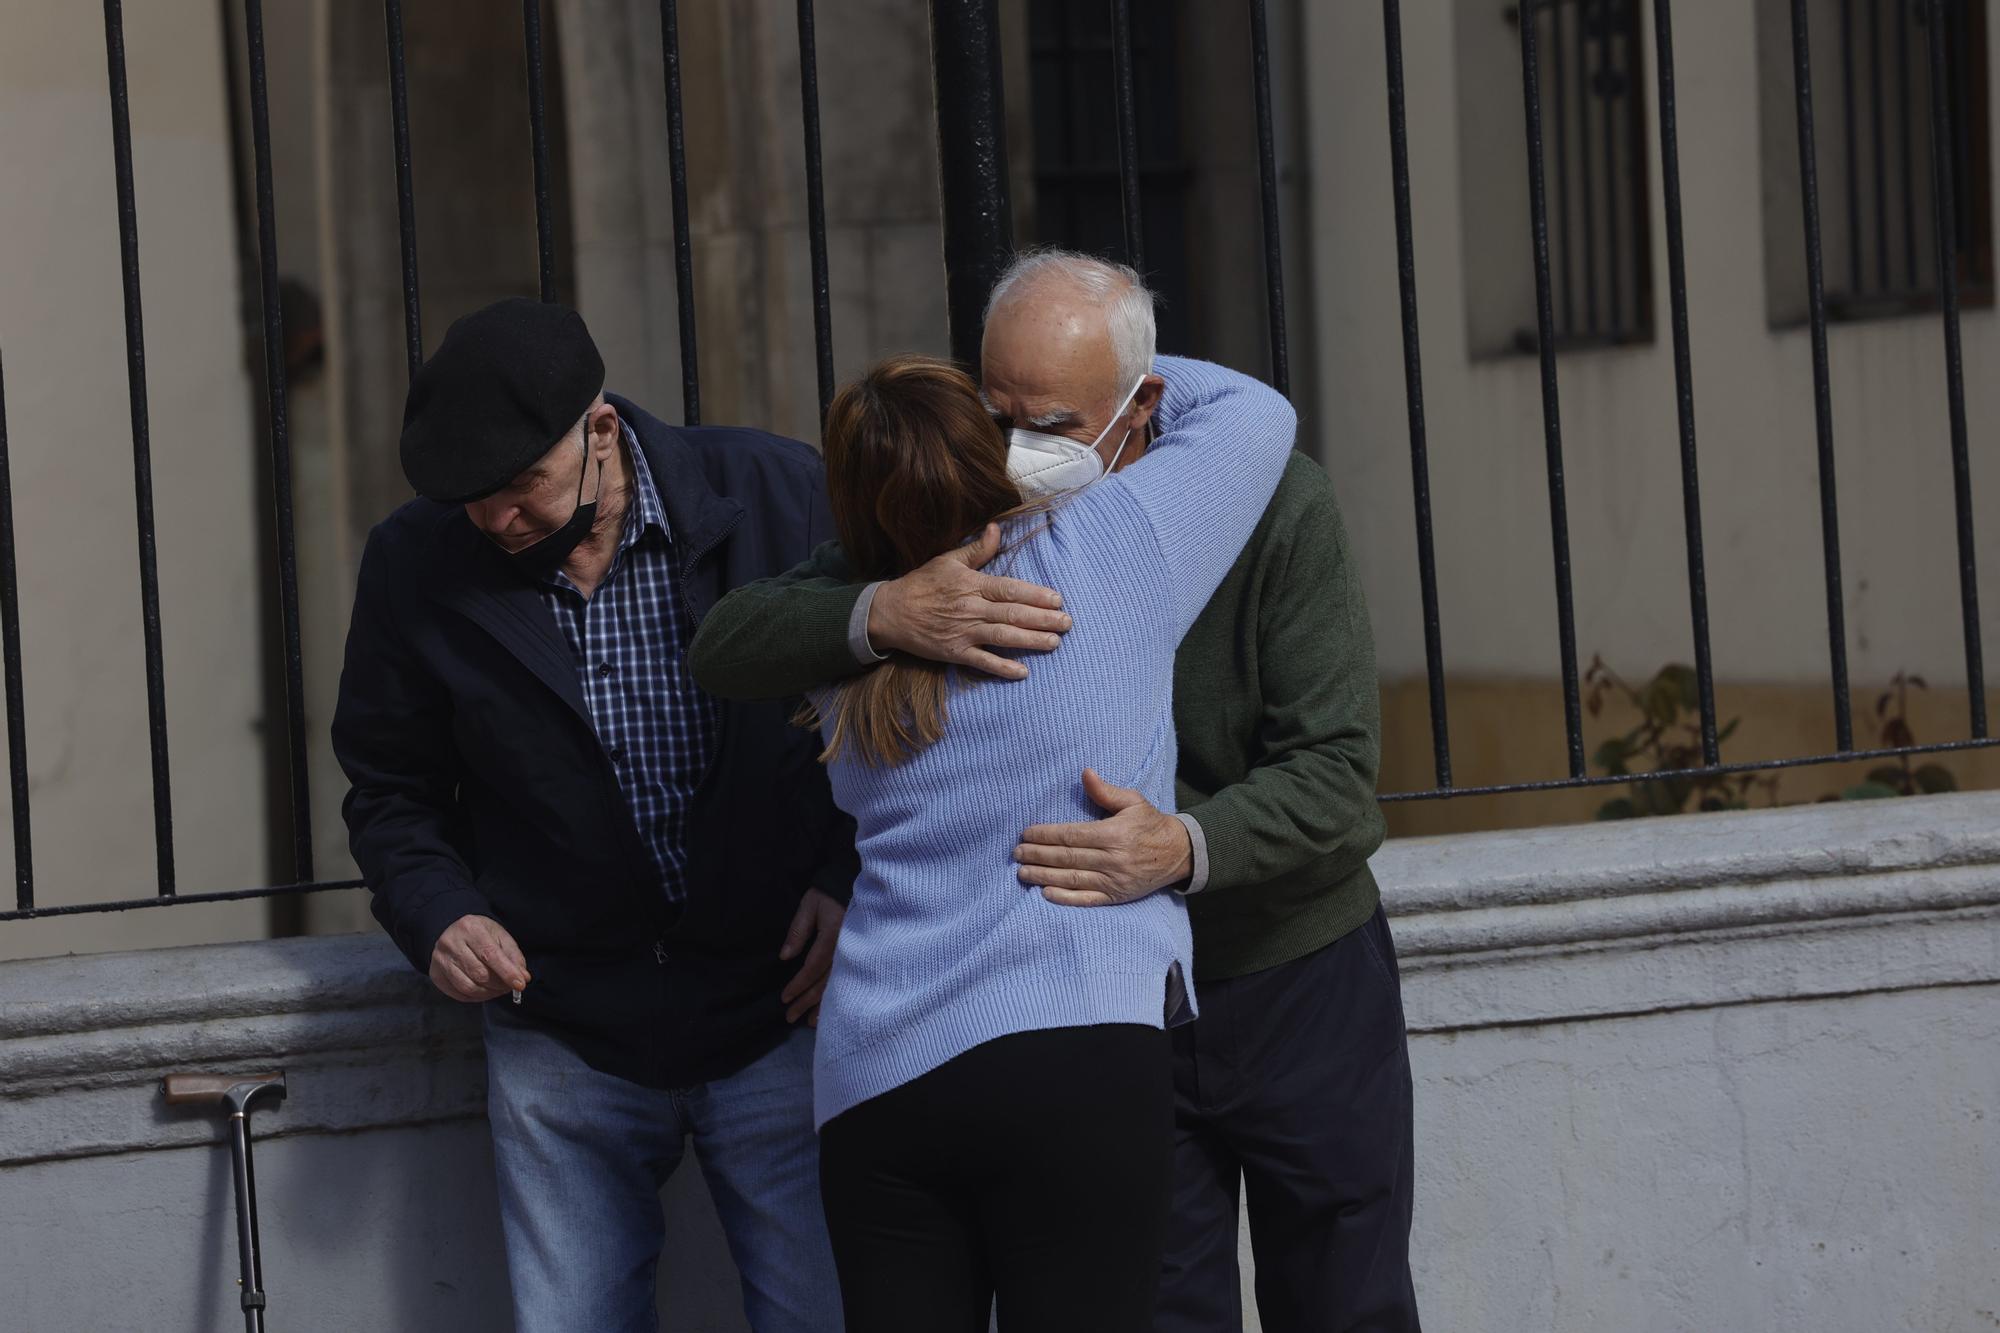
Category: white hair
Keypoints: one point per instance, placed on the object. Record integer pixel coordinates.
(581, 430)
(1127, 304)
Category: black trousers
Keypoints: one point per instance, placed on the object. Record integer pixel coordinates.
(1296, 1081)
(1035, 1168)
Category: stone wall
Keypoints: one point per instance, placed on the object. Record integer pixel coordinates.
(1729, 1071)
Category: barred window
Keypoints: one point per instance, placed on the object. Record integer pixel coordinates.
(1872, 126)
(1594, 127)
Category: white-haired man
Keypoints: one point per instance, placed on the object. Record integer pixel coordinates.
(1295, 1080)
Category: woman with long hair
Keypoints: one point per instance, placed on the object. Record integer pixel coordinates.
(993, 1077)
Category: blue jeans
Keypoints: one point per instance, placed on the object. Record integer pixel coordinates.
(582, 1156)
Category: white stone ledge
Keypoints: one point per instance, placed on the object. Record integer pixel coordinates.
(1622, 857)
(1540, 926)
(1602, 920)
(364, 1041)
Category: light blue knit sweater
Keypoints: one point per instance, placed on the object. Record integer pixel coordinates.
(944, 948)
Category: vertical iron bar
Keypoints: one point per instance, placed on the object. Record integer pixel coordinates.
(815, 204)
(1614, 269)
(1942, 185)
(538, 133)
(1413, 383)
(406, 200)
(972, 162)
(1070, 54)
(1128, 133)
(1267, 175)
(142, 449)
(1568, 264)
(1850, 148)
(1903, 15)
(1670, 188)
(10, 645)
(1957, 51)
(670, 51)
(1583, 159)
(1531, 87)
(1877, 136)
(1829, 508)
(281, 448)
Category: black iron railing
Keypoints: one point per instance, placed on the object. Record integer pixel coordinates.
(1593, 104)
(142, 449)
(1885, 56)
(976, 243)
(1939, 26)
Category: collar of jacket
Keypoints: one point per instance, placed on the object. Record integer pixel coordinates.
(698, 516)
(473, 577)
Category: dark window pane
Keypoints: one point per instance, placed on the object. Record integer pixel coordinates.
(1078, 203)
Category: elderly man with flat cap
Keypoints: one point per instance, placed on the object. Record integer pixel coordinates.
(640, 883)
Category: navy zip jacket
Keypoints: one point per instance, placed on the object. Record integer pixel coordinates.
(479, 785)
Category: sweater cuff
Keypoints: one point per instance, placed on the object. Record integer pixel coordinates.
(1198, 855)
(857, 629)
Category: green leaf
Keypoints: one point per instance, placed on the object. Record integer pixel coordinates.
(1889, 775)
(1933, 778)
(1728, 730)
(1611, 755)
(1868, 791)
(1686, 682)
(1662, 700)
(1620, 808)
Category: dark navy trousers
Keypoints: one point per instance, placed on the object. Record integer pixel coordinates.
(1295, 1082)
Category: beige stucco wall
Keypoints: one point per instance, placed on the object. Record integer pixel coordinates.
(1753, 394)
(747, 199)
(62, 336)
(1507, 731)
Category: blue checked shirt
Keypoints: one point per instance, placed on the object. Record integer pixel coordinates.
(630, 641)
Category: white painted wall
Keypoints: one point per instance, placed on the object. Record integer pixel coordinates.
(63, 342)
(1819, 1166)
(1715, 1072)
(1753, 395)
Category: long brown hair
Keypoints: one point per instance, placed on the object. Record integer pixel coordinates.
(914, 468)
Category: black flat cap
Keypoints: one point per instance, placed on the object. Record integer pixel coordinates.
(505, 385)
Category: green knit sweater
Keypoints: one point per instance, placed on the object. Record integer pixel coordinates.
(1274, 702)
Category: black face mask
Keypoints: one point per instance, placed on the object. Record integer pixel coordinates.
(546, 556)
